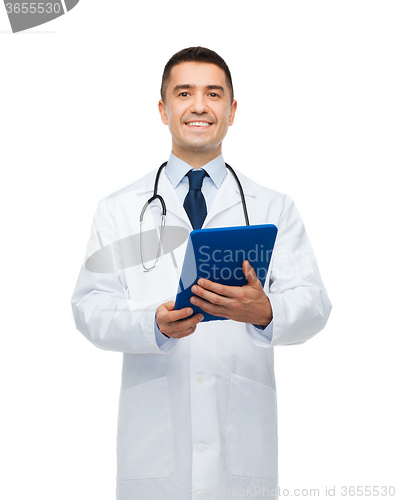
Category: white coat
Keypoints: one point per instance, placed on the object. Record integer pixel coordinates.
(197, 415)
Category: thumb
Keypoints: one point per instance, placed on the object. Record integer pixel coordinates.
(170, 305)
(250, 274)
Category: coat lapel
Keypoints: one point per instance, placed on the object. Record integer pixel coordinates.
(229, 196)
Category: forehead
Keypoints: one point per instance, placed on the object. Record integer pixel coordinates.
(196, 74)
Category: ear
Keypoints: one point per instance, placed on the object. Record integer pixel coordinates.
(232, 114)
(163, 112)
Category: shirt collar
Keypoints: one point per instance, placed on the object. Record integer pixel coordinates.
(176, 170)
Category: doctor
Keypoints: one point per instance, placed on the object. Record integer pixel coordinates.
(197, 409)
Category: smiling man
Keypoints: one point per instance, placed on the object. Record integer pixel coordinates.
(197, 413)
(198, 107)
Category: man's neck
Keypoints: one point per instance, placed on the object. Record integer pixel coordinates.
(196, 160)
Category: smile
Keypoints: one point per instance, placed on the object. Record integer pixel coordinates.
(198, 124)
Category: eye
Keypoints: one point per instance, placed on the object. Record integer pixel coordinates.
(213, 94)
(183, 94)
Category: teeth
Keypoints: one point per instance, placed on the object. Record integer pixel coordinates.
(199, 124)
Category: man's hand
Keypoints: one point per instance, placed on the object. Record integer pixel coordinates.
(167, 320)
(248, 303)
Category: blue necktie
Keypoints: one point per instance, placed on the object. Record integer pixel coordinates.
(194, 203)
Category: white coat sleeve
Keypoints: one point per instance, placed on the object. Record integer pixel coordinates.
(102, 308)
(299, 300)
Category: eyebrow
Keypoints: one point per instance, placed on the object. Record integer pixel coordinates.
(185, 86)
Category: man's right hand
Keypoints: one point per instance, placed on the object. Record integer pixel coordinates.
(167, 320)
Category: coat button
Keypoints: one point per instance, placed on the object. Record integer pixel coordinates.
(200, 447)
(276, 339)
(200, 379)
(152, 346)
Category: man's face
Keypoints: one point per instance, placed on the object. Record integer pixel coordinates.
(197, 109)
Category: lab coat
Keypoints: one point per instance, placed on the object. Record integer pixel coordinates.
(198, 414)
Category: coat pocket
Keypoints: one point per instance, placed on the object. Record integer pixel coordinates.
(251, 429)
(144, 437)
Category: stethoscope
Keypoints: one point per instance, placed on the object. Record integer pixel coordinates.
(156, 196)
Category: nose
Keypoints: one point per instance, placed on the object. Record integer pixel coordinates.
(199, 105)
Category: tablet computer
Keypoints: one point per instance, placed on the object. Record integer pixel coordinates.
(218, 254)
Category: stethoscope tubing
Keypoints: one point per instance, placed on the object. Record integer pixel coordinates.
(156, 196)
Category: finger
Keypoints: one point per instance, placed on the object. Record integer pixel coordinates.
(211, 297)
(180, 314)
(183, 327)
(168, 314)
(186, 332)
(207, 307)
(250, 274)
(191, 322)
(217, 288)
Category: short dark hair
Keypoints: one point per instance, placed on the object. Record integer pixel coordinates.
(195, 54)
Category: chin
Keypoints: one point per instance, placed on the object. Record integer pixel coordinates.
(200, 146)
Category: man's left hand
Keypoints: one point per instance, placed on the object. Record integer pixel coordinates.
(247, 304)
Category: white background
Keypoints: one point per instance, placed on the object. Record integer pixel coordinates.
(316, 87)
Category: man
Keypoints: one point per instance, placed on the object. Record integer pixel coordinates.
(197, 413)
